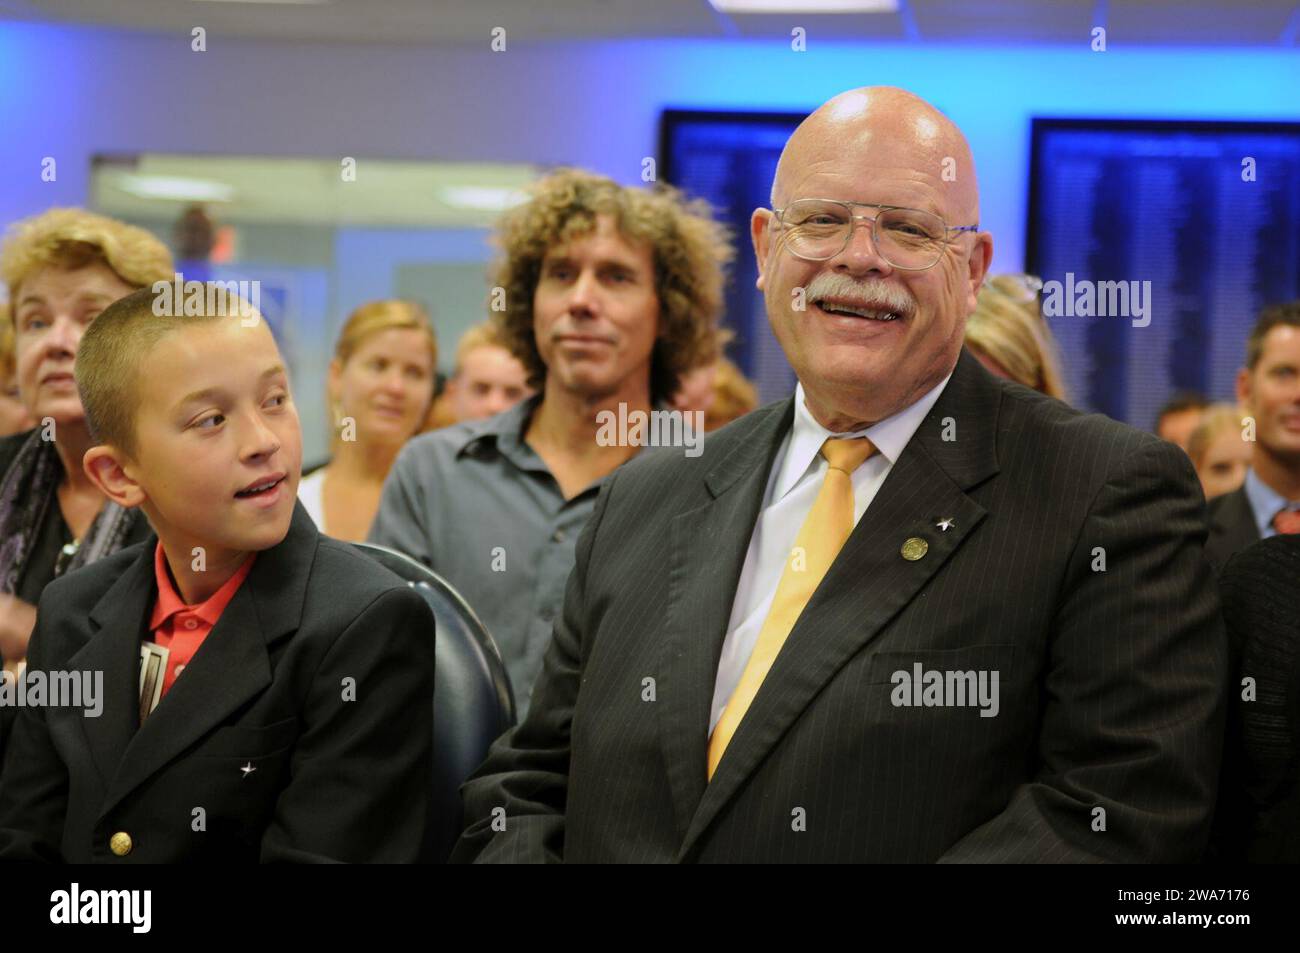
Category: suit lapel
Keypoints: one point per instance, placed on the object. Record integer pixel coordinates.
(870, 581)
(113, 647)
(708, 553)
(231, 667)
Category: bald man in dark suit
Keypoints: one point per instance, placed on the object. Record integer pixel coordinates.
(914, 613)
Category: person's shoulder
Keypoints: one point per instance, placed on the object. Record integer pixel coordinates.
(1260, 589)
(102, 573)
(712, 447)
(1047, 415)
(1092, 442)
(74, 594)
(9, 447)
(348, 591)
(1266, 563)
(445, 446)
(346, 579)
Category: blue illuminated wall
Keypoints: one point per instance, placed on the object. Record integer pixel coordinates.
(72, 93)
(1202, 220)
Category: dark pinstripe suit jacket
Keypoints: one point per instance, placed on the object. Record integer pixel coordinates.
(1112, 681)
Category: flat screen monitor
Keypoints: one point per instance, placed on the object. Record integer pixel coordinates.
(729, 159)
(1159, 242)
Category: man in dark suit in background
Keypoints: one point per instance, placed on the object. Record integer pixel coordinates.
(1268, 387)
(915, 613)
(1265, 505)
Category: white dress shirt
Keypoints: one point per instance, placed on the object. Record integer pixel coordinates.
(795, 481)
(311, 493)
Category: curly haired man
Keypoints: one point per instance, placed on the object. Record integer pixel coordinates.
(606, 294)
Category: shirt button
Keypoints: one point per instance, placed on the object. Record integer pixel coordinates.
(120, 843)
(191, 623)
(558, 536)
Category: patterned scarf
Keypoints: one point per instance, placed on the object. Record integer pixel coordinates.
(26, 491)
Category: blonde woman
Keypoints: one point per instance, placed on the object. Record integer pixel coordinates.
(1218, 452)
(380, 388)
(1008, 335)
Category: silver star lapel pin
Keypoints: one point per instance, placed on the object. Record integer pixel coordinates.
(945, 524)
(248, 769)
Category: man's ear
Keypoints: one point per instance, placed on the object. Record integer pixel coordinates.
(1243, 389)
(760, 232)
(105, 467)
(981, 257)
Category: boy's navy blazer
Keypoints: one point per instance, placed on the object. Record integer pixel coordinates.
(300, 731)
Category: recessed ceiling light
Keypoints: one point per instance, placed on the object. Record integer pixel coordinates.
(175, 188)
(483, 197)
(262, 1)
(805, 6)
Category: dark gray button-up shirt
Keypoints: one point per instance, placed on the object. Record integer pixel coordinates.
(478, 506)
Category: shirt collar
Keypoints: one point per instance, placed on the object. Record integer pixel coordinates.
(170, 602)
(1264, 501)
(506, 432)
(890, 435)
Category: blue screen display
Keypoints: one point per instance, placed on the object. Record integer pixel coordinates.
(729, 159)
(1196, 224)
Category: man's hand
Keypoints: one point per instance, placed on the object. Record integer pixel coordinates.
(17, 619)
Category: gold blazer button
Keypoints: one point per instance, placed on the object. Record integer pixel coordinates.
(915, 548)
(120, 843)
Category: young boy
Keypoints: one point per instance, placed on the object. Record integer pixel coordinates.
(267, 691)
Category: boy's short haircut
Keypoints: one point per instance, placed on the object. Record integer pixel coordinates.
(75, 238)
(115, 348)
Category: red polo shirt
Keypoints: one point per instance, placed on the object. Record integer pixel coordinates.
(180, 628)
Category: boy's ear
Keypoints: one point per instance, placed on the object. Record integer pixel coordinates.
(106, 471)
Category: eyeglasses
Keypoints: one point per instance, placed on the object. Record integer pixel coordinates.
(1022, 288)
(908, 238)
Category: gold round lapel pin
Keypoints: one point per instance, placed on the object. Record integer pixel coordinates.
(915, 548)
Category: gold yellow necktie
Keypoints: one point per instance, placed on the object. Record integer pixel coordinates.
(822, 536)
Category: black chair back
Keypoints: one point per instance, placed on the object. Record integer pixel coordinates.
(472, 701)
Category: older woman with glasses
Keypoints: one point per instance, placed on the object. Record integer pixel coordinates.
(62, 268)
